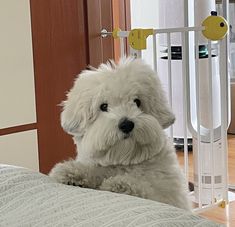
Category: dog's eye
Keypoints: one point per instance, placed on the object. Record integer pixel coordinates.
(138, 102)
(104, 107)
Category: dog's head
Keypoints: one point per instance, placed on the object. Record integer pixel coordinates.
(117, 113)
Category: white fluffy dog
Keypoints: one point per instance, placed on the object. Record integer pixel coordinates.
(116, 115)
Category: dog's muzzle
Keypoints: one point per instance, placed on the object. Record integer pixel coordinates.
(126, 126)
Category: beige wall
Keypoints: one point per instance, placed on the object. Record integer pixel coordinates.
(17, 92)
(20, 149)
(16, 64)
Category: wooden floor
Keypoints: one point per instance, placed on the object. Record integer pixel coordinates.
(222, 215)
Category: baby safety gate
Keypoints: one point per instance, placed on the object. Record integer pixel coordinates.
(201, 70)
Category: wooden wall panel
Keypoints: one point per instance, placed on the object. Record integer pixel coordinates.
(60, 53)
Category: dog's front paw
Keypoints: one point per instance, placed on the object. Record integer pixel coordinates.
(118, 184)
(69, 173)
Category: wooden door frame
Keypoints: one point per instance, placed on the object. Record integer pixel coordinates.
(114, 14)
(99, 15)
(122, 20)
(60, 53)
(66, 38)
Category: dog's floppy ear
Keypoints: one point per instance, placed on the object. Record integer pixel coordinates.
(157, 102)
(159, 105)
(163, 112)
(70, 120)
(77, 108)
(167, 119)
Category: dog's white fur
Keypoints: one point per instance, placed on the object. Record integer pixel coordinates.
(142, 163)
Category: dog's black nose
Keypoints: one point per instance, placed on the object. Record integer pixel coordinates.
(126, 125)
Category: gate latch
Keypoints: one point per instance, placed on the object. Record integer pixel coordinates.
(137, 38)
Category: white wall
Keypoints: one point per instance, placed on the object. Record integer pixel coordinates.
(144, 15)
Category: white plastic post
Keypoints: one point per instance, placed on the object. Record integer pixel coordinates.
(169, 78)
(122, 47)
(185, 107)
(155, 52)
(211, 121)
(199, 167)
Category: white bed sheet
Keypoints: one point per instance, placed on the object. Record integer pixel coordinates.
(29, 198)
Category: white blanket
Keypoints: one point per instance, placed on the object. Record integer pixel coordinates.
(31, 199)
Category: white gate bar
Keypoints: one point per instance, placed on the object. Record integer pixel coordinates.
(174, 30)
(224, 144)
(122, 34)
(122, 47)
(155, 52)
(185, 109)
(224, 87)
(225, 98)
(198, 109)
(211, 121)
(169, 77)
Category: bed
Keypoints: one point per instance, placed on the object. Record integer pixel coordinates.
(29, 198)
